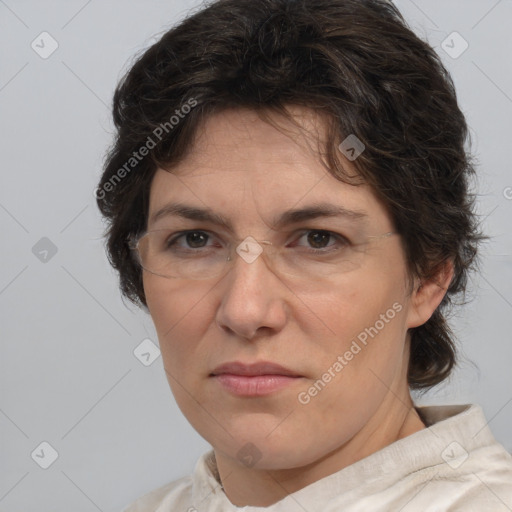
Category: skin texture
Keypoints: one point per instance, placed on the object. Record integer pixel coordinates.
(248, 171)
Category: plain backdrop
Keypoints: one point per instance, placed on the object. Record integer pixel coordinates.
(71, 371)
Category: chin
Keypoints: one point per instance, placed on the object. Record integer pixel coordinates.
(256, 443)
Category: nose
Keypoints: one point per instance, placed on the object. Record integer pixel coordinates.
(254, 299)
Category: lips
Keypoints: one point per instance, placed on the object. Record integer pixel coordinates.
(254, 369)
(255, 379)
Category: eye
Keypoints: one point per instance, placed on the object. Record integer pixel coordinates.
(319, 240)
(189, 240)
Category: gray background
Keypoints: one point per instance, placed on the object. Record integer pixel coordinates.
(68, 372)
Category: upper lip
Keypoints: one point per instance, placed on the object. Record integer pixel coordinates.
(253, 369)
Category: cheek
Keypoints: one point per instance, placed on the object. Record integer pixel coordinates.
(346, 307)
(364, 317)
(181, 315)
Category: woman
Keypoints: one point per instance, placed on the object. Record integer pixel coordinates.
(288, 197)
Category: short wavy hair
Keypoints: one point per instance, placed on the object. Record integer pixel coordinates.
(358, 65)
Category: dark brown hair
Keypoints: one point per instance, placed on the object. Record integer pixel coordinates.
(357, 64)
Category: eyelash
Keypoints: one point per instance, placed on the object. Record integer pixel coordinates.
(338, 237)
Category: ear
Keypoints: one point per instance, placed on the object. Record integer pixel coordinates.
(428, 294)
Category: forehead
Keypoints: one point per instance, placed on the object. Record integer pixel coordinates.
(242, 129)
(240, 162)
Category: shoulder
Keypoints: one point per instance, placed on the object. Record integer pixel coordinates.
(453, 465)
(473, 471)
(174, 494)
(483, 481)
(180, 494)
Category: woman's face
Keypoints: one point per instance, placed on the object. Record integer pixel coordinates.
(341, 336)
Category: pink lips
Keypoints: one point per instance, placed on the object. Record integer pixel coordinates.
(256, 379)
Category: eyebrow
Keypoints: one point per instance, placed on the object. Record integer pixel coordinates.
(293, 216)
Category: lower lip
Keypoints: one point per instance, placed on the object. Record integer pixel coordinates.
(254, 385)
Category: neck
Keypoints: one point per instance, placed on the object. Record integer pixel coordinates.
(264, 487)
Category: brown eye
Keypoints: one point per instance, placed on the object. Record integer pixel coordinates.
(188, 241)
(320, 242)
(196, 239)
(319, 239)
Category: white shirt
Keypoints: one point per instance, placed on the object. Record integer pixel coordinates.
(453, 465)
